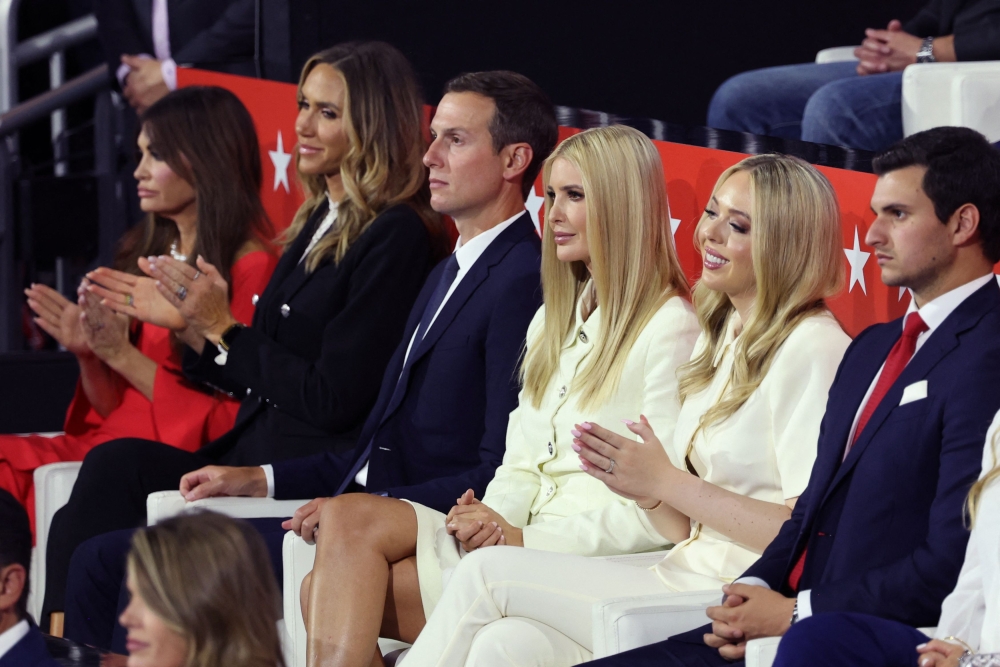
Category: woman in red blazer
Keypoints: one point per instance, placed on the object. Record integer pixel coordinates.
(198, 177)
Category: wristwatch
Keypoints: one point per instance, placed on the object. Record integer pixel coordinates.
(795, 613)
(926, 52)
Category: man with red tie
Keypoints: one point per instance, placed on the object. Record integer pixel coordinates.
(879, 530)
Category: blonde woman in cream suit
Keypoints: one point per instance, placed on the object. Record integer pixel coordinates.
(739, 456)
(608, 341)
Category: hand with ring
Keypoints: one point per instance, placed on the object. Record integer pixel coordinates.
(632, 469)
(201, 294)
(135, 296)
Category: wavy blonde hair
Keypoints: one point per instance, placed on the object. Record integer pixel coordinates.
(382, 117)
(797, 261)
(976, 492)
(633, 262)
(209, 578)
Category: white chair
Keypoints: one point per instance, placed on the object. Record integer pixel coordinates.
(165, 504)
(53, 485)
(937, 94)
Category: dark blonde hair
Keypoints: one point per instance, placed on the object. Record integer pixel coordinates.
(209, 578)
(383, 166)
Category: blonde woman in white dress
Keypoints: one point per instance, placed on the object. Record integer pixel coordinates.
(614, 328)
(739, 456)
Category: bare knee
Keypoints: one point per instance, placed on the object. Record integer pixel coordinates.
(359, 520)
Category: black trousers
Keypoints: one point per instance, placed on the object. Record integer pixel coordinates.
(110, 494)
(96, 594)
(684, 650)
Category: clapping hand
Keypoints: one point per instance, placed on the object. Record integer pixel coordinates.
(58, 317)
(105, 331)
(475, 525)
(135, 296)
(639, 467)
(201, 294)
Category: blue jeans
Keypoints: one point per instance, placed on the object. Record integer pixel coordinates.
(824, 104)
(859, 640)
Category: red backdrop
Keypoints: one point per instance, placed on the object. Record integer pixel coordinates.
(690, 172)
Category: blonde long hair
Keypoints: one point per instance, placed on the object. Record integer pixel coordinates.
(797, 261)
(382, 116)
(976, 492)
(633, 262)
(209, 578)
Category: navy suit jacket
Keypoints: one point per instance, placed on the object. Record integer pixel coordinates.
(29, 652)
(447, 431)
(885, 527)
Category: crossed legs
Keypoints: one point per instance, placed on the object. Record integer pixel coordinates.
(364, 581)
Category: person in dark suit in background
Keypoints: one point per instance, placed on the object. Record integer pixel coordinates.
(857, 103)
(326, 326)
(440, 422)
(145, 41)
(879, 529)
(21, 644)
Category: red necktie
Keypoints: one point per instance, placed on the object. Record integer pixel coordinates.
(898, 357)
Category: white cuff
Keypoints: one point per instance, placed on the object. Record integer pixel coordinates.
(168, 68)
(222, 357)
(361, 479)
(122, 72)
(753, 581)
(269, 474)
(805, 604)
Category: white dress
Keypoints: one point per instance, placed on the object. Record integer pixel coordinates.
(507, 605)
(540, 486)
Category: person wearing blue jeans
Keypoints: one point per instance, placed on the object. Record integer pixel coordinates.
(858, 103)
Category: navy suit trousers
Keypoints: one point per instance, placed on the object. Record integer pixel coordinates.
(859, 640)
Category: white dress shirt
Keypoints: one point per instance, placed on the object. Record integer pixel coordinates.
(466, 254)
(12, 636)
(933, 313)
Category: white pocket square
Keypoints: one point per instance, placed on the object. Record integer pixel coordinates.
(914, 392)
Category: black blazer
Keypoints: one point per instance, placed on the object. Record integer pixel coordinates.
(310, 365)
(885, 527)
(975, 24)
(447, 431)
(210, 34)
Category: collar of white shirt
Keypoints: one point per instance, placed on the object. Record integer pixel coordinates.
(933, 313)
(12, 636)
(466, 254)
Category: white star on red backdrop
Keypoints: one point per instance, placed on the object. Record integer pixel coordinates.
(857, 258)
(534, 206)
(280, 159)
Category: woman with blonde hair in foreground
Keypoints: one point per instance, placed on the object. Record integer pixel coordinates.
(608, 340)
(753, 395)
(203, 595)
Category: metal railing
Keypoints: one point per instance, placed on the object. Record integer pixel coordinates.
(14, 117)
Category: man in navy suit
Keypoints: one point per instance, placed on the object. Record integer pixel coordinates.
(21, 644)
(439, 425)
(879, 529)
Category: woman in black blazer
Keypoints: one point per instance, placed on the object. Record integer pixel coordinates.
(311, 364)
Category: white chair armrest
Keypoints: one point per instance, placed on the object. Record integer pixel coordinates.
(761, 652)
(165, 504)
(961, 94)
(297, 558)
(836, 54)
(53, 486)
(621, 624)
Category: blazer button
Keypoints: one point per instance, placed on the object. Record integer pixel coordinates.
(285, 310)
(583, 337)
(562, 391)
(254, 299)
(249, 391)
(549, 491)
(551, 449)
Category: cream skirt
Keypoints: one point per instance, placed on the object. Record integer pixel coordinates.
(437, 551)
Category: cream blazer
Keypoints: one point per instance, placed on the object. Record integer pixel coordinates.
(540, 487)
(972, 611)
(765, 450)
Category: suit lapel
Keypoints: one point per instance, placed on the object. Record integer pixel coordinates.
(492, 256)
(936, 348)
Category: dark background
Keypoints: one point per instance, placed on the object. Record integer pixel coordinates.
(648, 59)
